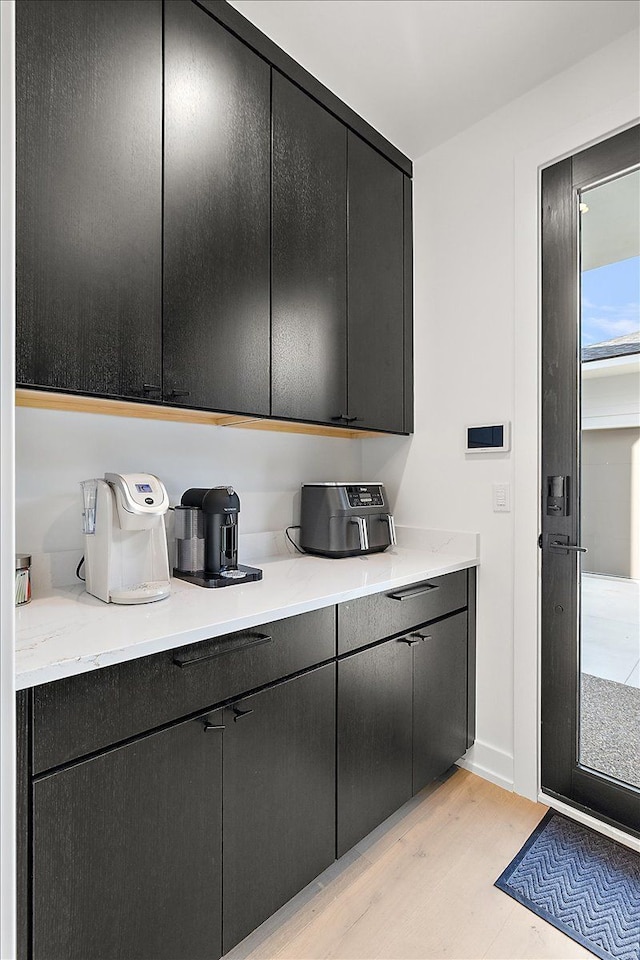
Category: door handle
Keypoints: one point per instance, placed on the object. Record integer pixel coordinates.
(573, 547)
(238, 714)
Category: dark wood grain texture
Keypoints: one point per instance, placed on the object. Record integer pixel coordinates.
(472, 587)
(309, 281)
(89, 168)
(559, 457)
(259, 42)
(82, 714)
(23, 824)
(374, 738)
(408, 307)
(128, 852)
(607, 158)
(367, 619)
(279, 797)
(375, 289)
(439, 699)
(216, 216)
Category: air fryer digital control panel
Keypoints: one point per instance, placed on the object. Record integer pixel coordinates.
(367, 495)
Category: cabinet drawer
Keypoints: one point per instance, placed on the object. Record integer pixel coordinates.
(382, 615)
(81, 714)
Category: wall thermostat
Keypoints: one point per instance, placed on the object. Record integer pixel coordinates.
(489, 438)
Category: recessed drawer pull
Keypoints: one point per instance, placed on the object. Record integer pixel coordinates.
(231, 646)
(413, 592)
(212, 726)
(238, 714)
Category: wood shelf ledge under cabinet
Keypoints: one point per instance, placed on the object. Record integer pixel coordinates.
(45, 400)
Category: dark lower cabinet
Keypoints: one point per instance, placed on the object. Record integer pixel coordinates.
(374, 738)
(89, 196)
(216, 216)
(439, 698)
(309, 258)
(279, 797)
(127, 851)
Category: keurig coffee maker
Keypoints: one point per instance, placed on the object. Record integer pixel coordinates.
(206, 526)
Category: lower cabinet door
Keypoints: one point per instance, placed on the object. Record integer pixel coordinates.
(374, 738)
(279, 797)
(439, 698)
(127, 851)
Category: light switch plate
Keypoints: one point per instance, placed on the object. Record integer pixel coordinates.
(501, 497)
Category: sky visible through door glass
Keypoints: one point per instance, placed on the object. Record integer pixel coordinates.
(610, 301)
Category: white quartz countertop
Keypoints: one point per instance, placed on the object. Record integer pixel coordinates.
(69, 632)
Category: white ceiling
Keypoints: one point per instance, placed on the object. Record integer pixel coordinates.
(420, 71)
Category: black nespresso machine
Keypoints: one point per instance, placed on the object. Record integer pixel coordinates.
(206, 529)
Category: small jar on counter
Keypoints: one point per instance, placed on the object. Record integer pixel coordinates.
(23, 579)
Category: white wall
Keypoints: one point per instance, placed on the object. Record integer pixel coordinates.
(465, 335)
(55, 450)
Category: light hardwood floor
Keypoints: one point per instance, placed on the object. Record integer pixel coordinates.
(420, 887)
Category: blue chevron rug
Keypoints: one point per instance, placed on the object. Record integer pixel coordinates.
(583, 883)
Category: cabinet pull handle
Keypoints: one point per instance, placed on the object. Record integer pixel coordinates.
(212, 726)
(151, 388)
(340, 416)
(408, 640)
(248, 640)
(414, 592)
(238, 714)
(174, 394)
(344, 418)
(422, 636)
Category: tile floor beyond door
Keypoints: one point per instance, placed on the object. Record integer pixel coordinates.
(421, 886)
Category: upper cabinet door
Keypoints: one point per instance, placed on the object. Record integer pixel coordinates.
(216, 216)
(89, 182)
(309, 239)
(376, 295)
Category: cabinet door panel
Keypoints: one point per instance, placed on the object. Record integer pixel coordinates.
(279, 797)
(89, 195)
(374, 738)
(309, 257)
(439, 699)
(127, 852)
(216, 216)
(376, 280)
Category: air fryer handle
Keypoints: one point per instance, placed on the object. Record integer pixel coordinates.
(392, 528)
(363, 533)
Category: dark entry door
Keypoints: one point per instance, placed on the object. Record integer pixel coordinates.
(591, 714)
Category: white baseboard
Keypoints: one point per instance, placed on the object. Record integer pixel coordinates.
(490, 764)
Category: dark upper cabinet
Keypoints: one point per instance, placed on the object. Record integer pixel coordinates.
(127, 851)
(375, 292)
(279, 797)
(439, 698)
(216, 216)
(89, 195)
(309, 257)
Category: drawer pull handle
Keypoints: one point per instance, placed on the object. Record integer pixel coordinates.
(422, 636)
(212, 726)
(408, 640)
(238, 714)
(239, 643)
(414, 592)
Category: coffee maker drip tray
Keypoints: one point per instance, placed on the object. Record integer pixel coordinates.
(226, 578)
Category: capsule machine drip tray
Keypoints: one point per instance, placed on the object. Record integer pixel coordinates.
(228, 578)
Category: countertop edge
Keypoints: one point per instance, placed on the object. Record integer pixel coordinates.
(73, 666)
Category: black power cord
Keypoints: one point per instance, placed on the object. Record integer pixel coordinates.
(292, 541)
(78, 570)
